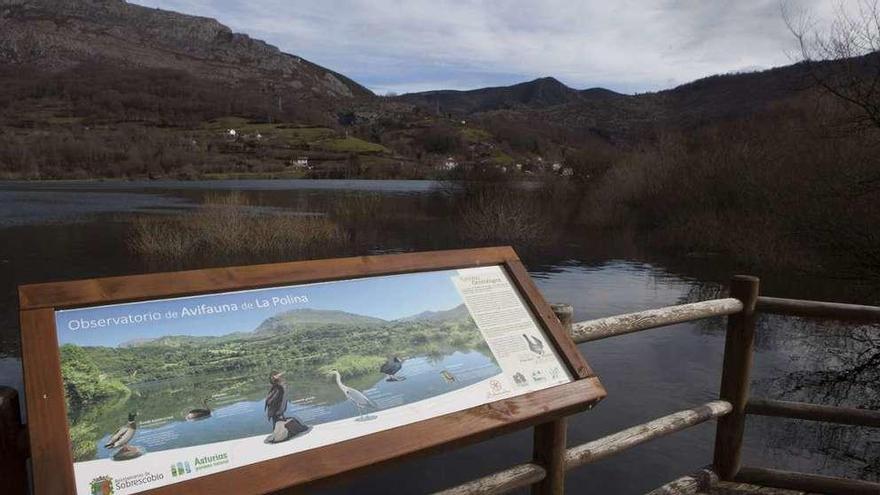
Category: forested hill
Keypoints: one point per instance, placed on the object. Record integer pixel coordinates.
(314, 317)
(102, 88)
(620, 116)
(297, 321)
(353, 344)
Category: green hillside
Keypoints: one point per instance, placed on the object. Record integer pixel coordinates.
(309, 341)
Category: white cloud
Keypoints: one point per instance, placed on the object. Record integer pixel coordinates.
(414, 45)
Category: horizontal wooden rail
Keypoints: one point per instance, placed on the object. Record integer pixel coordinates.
(819, 309)
(588, 331)
(813, 412)
(630, 437)
(811, 483)
(692, 484)
(586, 453)
(500, 482)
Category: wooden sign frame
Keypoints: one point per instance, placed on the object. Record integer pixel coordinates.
(51, 455)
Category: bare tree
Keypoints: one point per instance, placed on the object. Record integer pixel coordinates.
(843, 57)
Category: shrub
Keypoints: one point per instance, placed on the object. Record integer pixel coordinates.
(351, 365)
(228, 226)
(504, 215)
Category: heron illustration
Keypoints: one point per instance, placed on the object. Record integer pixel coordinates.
(360, 400)
(124, 434)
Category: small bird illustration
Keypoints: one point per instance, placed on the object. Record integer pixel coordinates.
(360, 400)
(447, 376)
(391, 367)
(124, 434)
(535, 345)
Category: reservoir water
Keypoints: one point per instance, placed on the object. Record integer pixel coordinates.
(70, 230)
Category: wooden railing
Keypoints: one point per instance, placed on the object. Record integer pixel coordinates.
(545, 473)
(731, 468)
(742, 308)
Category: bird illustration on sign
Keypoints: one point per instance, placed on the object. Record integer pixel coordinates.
(356, 397)
(283, 427)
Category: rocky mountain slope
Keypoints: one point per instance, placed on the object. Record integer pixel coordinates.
(55, 35)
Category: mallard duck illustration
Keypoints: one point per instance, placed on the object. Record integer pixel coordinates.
(124, 434)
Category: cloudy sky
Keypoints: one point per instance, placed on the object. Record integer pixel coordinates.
(416, 45)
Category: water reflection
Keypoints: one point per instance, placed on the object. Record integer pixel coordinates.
(239, 411)
(648, 374)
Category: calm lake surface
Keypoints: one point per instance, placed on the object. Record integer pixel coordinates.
(312, 400)
(70, 230)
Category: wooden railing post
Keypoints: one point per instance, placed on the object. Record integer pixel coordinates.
(549, 453)
(13, 448)
(735, 377)
(550, 438)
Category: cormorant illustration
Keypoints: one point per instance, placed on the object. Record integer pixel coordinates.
(283, 428)
(392, 367)
(535, 345)
(276, 400)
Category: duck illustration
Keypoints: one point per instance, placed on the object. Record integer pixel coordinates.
(199, 413)
(283, 428)
(447, 376)
(391, 367)
(124, 434)
(535, 345)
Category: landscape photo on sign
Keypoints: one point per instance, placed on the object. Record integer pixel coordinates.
(178, 388)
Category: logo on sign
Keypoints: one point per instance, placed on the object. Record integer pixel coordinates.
(102, 486)
(180, 469)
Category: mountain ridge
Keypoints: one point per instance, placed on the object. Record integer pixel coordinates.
(281, 322)
(60, 34)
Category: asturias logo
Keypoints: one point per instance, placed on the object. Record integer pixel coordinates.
(102, 486)
(180, 469)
